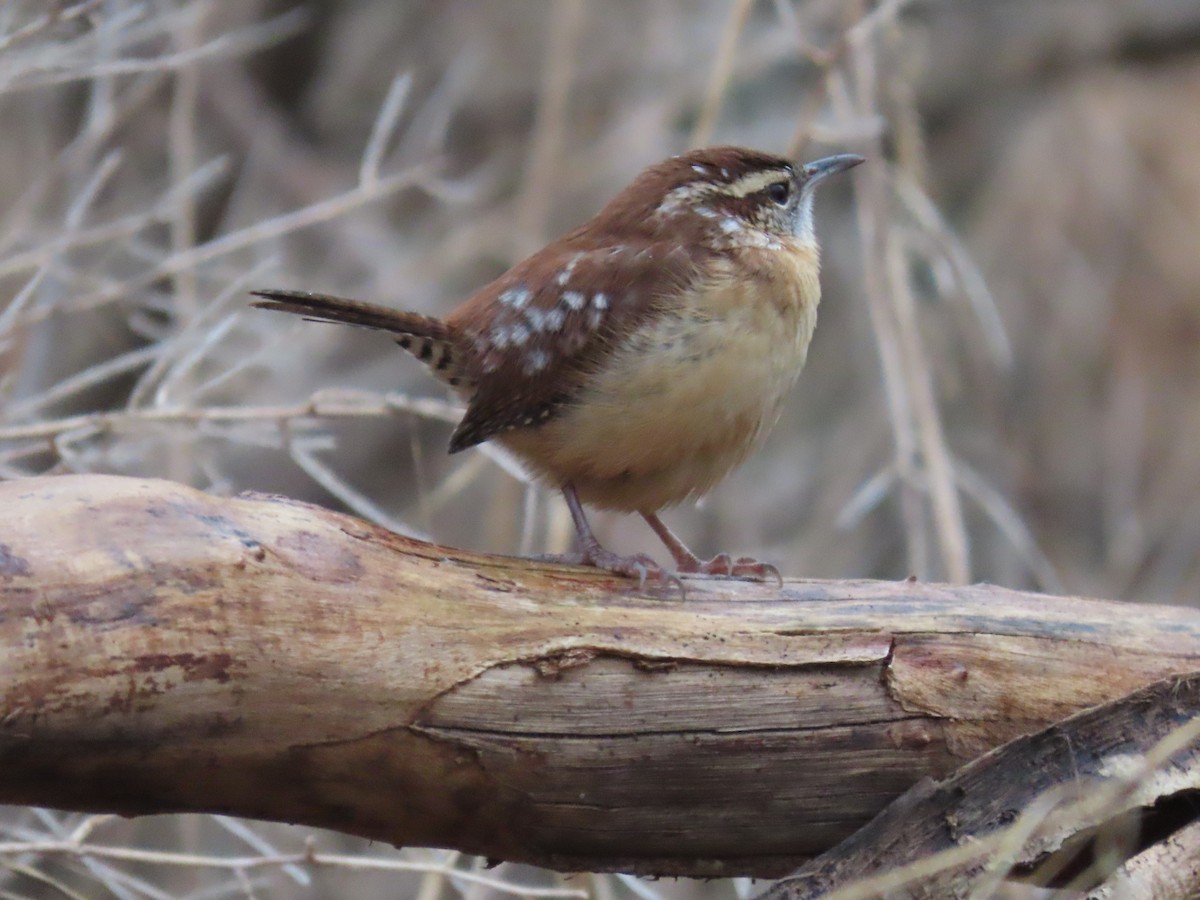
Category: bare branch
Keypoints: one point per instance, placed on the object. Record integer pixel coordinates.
(324, 671)
(1082, 778)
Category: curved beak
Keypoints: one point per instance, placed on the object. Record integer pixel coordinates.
(821, 169)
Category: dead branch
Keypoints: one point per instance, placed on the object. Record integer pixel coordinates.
(1061, 807)
(164, 650)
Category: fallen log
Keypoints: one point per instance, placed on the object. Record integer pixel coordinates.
(162, 650)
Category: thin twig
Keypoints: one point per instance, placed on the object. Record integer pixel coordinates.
(315, 859)
(541, 167)
(355, 500)
(321, 405)
(722, 70)
(383, 130)
(57, 16)
(244, 238)
(232, 44)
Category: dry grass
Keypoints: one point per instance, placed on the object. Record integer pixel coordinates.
(1002, 388)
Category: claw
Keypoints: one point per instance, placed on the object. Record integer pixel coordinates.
(639, 565)
(749, 567)
(642, 567)
(672, 578)
(724, 565)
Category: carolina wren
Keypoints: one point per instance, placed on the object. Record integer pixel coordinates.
(636, 360)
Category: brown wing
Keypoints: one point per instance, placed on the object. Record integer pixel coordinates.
(537, 332)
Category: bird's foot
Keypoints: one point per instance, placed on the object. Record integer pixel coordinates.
(722, 565)
(726, 566)
(638, 565)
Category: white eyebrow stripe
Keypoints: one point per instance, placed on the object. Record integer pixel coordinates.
(755, 182)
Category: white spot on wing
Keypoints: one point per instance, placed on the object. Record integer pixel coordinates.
(600, 301)
(573, 299)
(520, 334)
(536, 318)
(564, 274)
(730, 225)
(536, 361)
(516, 297)
(554, 319)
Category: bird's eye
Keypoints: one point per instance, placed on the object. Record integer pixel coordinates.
(779, 192)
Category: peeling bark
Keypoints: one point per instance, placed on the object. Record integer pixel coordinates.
(164, 650)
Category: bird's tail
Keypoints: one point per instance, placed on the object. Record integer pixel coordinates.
(428, 339)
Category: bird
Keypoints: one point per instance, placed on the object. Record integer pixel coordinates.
(635, 361)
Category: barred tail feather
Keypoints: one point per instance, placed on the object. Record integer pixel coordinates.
(428, 339)
(324, 308)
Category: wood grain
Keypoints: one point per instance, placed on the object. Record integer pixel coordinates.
(164, 650)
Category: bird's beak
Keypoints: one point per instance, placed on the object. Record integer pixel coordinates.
(821, 169)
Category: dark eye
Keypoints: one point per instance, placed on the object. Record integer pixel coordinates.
(780, 191)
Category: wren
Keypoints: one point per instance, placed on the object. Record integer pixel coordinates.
(633, 362)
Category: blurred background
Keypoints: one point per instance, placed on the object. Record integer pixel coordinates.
(1004, 385)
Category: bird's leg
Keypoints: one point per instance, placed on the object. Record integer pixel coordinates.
(721, 564)
(638, 566)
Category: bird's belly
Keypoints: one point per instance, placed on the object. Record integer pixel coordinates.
(673, 411)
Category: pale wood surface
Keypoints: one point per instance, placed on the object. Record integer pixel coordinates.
(1168, 870)
(164, 650)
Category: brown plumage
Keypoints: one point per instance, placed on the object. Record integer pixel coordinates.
(633, 362)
